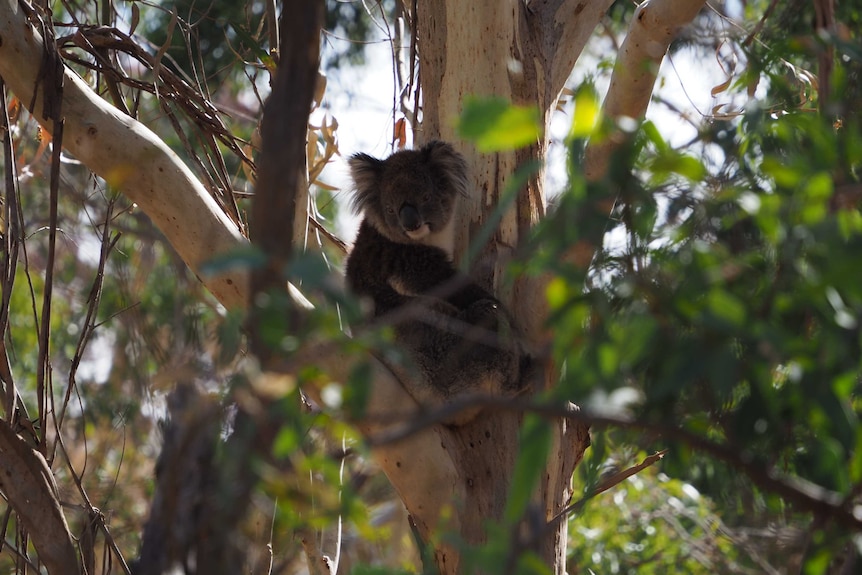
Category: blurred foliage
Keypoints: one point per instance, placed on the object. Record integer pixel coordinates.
(648, 524)
(496, 125)
(205, 38)
(354, 23)
(723, 308)
(156, 328)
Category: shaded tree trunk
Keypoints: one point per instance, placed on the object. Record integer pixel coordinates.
(523, 52)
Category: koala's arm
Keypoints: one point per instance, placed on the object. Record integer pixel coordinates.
(426, 270)
(376, 263)
(364, 275)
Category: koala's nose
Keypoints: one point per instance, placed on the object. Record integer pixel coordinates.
(409, 217)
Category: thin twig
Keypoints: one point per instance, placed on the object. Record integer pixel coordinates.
(11, 240)
(52, 74)
(14, 549)
(754, 32)
(89, 508)
(605, 485)
(93, 299)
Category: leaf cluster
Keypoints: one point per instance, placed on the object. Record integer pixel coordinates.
(719, 309)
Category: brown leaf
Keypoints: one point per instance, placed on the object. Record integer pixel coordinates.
(718, 89)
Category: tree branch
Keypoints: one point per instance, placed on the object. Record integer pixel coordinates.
(128, 155)
(28, 485)
(653, 28)
(151, 175)
(418, 464)
(559, 31)
(804, 494)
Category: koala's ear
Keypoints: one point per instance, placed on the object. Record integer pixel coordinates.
(448, 166)
(366, 172)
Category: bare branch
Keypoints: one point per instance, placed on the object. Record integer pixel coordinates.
(11, 238)
(51, 78)
(318, 563)
(621, 476)
(606, 484)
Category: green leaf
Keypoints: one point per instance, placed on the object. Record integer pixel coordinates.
(286, 442)
(674, 163)
(557, 292)
(819, 187)
(586, 114)
(785, 176)
(608, 356)
(726, 306)
(849, 223)
(254, 46)
(496, 125)
(654, 137)
(855, 463)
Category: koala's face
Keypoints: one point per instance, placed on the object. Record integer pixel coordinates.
(411, 195)
(410, 202)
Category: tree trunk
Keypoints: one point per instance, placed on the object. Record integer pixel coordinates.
(524, 53)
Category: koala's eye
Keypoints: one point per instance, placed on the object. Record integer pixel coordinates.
(390, 210)
(426, 197)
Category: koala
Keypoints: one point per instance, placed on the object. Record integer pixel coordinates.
(458, 337)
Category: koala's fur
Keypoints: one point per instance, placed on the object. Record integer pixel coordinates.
(457, 334)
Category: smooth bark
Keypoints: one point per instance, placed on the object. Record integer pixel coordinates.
(28, 484)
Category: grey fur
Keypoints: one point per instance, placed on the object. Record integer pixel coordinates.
(458, 337)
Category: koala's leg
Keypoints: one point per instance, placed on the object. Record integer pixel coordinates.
(484, 357)
(427, 335)
(459, 354)
(490, 347)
